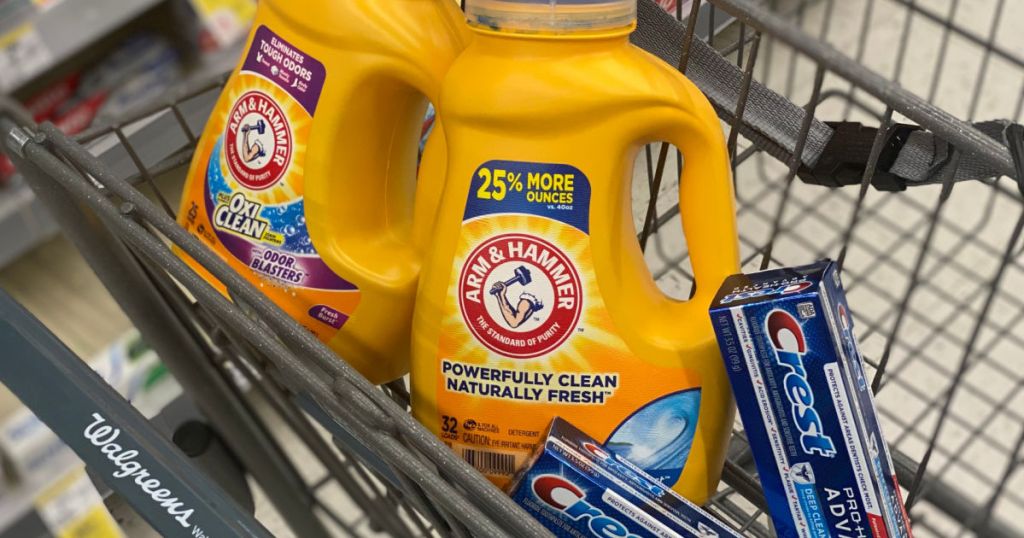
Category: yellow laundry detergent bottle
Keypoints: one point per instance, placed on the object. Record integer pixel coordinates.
(535, 300)
(305, 177)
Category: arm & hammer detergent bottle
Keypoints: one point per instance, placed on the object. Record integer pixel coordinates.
(535, 300)
(305, 178)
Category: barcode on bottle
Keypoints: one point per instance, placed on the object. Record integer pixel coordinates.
(486, 462)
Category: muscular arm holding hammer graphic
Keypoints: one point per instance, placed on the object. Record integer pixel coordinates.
(528, 304)
(253, 150)
(514, 317)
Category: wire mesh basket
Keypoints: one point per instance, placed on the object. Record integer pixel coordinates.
(930, 270)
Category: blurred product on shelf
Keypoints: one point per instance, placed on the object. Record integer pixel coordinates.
(69, 507)
(224, 22)
(670, 5)
(41, 472)
(29, 449)
(572, 482)
(140, 69)
(806, 405)
(12, 8)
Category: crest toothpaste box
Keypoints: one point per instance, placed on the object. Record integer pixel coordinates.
(578, 489)
(787, 339)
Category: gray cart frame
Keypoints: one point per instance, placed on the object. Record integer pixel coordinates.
(405, 481)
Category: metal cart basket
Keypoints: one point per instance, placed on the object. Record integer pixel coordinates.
(919, 201)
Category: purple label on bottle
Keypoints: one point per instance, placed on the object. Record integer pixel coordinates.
(294, 263)
(285, 267)
(300, 75)
(328, 315)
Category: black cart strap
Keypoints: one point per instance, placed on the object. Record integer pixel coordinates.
(834, 154)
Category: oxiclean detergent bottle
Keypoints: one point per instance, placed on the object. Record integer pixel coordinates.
(305, 178)
(535, 300)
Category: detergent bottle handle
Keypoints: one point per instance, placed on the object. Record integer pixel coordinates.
(429, 186)
(361, 174)
(361, 166)
(705, 195)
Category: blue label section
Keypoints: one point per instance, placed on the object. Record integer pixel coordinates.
(658, 436)
(241, 225)
(556, 191)
(811, 505)
(288, 219)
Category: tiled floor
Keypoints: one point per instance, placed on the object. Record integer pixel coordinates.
(986, 416)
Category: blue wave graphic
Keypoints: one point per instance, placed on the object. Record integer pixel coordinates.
(658, 437)
(286, 219)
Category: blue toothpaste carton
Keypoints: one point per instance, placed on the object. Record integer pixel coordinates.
(576, 488)
(787, 339)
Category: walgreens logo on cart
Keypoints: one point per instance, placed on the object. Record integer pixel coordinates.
(103, 436)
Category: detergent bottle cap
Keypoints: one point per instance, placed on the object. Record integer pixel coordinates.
(552, 16)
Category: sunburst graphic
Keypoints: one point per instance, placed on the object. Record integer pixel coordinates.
(290, 186)
(594, 334)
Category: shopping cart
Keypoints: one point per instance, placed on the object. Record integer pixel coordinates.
(918, 204)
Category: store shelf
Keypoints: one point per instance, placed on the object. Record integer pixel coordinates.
(23, 221)
(47, 38)
(154, 138)
(25, 224)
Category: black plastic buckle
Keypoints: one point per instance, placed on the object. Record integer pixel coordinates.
(845, 157)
